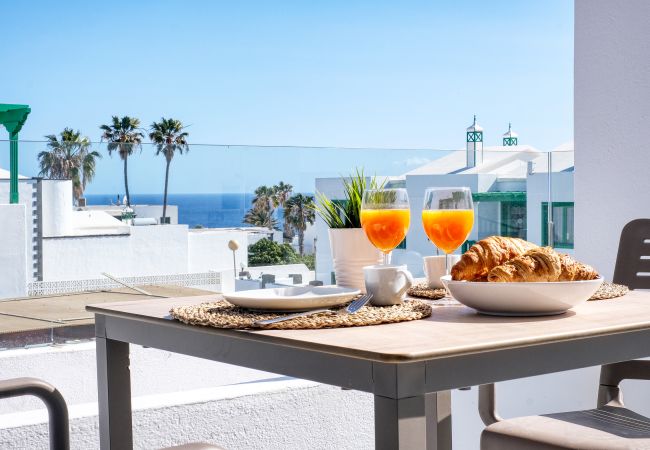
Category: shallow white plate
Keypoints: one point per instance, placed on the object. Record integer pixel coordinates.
(290, 299)
(522, 299)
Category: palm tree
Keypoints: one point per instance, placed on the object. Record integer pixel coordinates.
(169, 137)
(69, 158)
(281, 193)
(123, 136)
(299, 212)
(263, 199)
(261, 218)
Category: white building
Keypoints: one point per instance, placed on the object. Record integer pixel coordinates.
(47, 240)
(510, 187)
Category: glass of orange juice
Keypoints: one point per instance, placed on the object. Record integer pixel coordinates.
(448, 218)
(385, 218)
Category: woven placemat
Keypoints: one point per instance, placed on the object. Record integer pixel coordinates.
(423, 290)
(222, 314)
(609, 290)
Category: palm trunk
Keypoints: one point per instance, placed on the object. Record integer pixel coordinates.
(126, 182)
(301, 242)
(165, 194)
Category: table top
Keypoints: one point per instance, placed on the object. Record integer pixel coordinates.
(450, 331)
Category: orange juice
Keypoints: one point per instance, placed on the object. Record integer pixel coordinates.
(385, 228)
(448, 228)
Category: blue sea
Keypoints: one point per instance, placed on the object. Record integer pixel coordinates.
(208, 210)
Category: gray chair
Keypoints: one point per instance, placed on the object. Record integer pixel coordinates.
(56, 407)
(610, 426)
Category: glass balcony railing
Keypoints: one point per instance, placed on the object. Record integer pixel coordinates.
(224, 193)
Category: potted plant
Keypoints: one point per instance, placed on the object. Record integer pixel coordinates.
(351, 249)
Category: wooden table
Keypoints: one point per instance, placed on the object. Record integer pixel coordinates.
(409, 367)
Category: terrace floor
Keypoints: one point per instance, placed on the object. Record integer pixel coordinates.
(63, 318)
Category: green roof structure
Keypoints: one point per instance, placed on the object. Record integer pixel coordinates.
(13, 118)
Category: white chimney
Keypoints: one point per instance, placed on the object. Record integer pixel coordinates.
(474, 144)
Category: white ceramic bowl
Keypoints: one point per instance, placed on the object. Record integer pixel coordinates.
(522, 299)
(292, 299)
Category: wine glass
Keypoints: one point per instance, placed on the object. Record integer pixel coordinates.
(448, 218)
(385, 218)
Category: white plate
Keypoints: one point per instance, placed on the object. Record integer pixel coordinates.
(292, 299)
(522, 299)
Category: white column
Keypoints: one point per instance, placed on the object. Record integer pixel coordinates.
(612, 117)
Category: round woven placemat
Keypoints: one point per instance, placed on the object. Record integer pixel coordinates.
(609, 290)
(422, 290)
(222, 314)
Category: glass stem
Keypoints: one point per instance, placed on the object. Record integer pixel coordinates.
(386, 258)
(447, 272)
(447, 268)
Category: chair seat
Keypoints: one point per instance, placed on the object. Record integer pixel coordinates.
(605, 428)
(194, 446)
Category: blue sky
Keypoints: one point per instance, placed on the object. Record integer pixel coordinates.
(406, 74)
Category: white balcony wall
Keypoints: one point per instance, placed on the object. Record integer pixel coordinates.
(152, 250)
(208, 250)
(57, 207)
(13, 259)
(25, 197)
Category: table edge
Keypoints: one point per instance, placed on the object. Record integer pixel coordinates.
(399, 358)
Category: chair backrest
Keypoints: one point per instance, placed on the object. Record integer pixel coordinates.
(633, 259)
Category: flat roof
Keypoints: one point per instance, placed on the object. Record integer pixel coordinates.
(61, 318)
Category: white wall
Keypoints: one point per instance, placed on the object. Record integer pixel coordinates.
(25, 194)
(208, 250)
(155, 211)
(57, 207)
(13, 258)
(612, 116)
(153, 250)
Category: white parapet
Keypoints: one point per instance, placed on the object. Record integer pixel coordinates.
(13, 258)
(57, 207)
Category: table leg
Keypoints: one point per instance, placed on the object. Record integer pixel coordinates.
(114, 391)
(413, 423)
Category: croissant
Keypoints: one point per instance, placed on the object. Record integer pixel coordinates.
(538, 264)
(573, 270)
(542, 264)
(476, 263)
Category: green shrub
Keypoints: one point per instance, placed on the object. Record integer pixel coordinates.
(266, 252)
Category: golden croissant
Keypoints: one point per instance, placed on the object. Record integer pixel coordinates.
(541, 264)
(483, 256)
(573, 270)
(538, 264)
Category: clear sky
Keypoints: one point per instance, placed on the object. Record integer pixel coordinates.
(368, 73)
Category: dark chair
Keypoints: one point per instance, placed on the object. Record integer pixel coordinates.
(610, 426)
(56, 407)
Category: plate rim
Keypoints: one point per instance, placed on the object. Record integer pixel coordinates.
(246, 294)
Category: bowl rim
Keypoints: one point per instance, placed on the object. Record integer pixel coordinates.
(447, 279)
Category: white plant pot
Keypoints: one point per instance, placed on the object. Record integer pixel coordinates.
(351, 252)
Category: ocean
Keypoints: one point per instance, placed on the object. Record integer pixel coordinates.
(208, 210)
